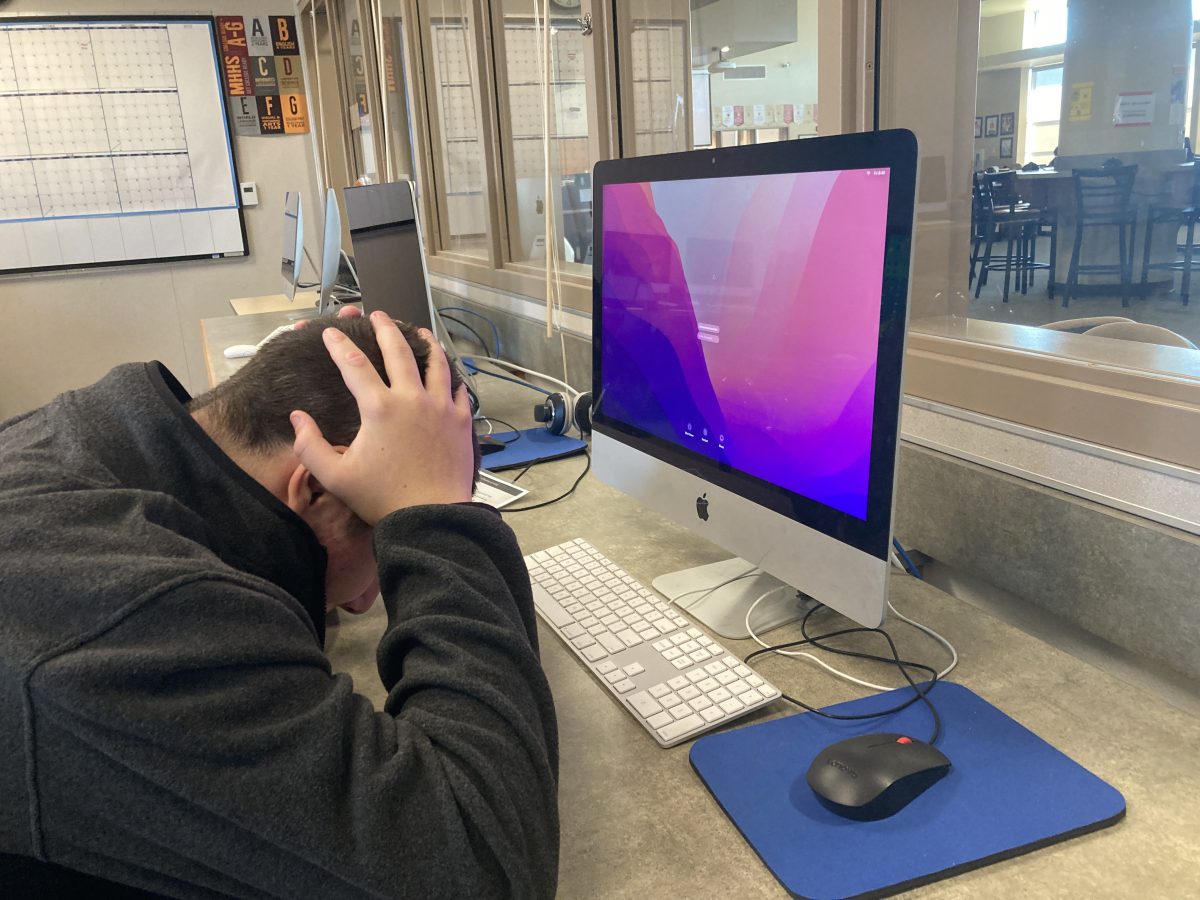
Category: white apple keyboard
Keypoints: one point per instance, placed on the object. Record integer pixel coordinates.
(672, 677)
(241, 351)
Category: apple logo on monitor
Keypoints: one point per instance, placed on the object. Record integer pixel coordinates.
(702, 507)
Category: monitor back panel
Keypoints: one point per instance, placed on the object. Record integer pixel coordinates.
(387, 252)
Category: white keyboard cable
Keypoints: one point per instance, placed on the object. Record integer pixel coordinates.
(845, 675)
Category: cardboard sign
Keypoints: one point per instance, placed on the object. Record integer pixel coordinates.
(260, 57)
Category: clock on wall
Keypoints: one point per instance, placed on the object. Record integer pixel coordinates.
(569, 5)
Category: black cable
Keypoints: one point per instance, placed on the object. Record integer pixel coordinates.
(564, 496)
(901, 664)
(482, 343)
(522, 472)
(516, 432)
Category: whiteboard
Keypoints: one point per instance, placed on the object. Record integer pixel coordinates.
(114, 144)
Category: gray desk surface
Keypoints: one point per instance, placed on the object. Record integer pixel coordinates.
(637, 822)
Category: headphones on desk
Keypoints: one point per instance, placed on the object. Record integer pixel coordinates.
(559, 413)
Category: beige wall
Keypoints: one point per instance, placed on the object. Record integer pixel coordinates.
(66, 329)
(999, 92)
(1001, 34)
(791, 73)
(1122, 47)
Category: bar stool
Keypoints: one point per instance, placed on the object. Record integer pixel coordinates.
(1177, 217)
(1102, 201)
(1000, 215)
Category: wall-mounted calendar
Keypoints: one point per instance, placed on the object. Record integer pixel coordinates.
(114, 146)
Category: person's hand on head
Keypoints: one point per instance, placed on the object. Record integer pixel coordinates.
(416, 442)
(344, 312)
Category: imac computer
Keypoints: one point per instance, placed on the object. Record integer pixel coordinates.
(293, 243)
(750, 308)
(331, 252)
(388, 252)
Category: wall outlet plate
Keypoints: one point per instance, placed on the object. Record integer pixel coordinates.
(249, 192)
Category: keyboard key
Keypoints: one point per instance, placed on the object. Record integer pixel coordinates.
(743, 670)
(605, 667)
(585, 641)
(678, 729)
(624, 687)
(573, 630)
(610, 643)
(596, 629)
(660, 719)
(550, 609)
(696, 676)
(732, 661)
(700, 704)
(633, 669)
(726, 677)
(682, 663)
(715, 668)
(712, 714)
(690, 692)
(739, 687)
(708, 685)
(629, 637)
(694, 632)
(644, 704)
(594, 652)
(769, 692)
(669, 700)
(732, 705)
(662, 645)
(753, 680)
(751, 697)
(673, 654)
(677, 682)
(659, 691)
(679, 639)
(647, 634)
(682, 711)
(699, 656)
(720, 695)
(664, 627)
(689, 647)
(614, 677)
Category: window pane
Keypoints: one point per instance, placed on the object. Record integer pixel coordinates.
(571, 153)
(716, 74)
(362, 145)
(458, 147)
(395, 87)
(1098, 97)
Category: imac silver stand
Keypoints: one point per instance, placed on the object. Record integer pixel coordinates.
(723, 609)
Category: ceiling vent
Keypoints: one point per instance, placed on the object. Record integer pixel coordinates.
(741, 73)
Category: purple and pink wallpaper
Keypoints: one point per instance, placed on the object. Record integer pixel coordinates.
(741, 319)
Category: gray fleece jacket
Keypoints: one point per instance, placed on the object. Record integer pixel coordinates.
(168, 719)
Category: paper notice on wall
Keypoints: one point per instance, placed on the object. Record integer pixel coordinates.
(727, 116)
(760, 114)
(1079, 108)
(1178, 110)
(1134, 108)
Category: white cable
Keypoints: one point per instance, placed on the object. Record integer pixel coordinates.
(512, 365)
(844, 675)
(709, 590)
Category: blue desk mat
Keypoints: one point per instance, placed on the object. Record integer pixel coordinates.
(1008, 792)
(532, 445)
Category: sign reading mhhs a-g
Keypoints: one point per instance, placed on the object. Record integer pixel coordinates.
(260, 56)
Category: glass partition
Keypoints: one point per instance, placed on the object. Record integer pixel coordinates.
(720, 73)
(1056, 173)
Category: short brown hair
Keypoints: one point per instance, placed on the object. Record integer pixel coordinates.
(294, 371)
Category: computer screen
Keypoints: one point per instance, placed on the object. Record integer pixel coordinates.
(750, 306)
(293, 242)
(387, 251)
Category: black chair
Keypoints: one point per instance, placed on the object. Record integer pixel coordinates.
(1102, 201)
(998, 214)
(1177, 217)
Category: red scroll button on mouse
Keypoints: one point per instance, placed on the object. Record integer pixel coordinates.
(903, 740)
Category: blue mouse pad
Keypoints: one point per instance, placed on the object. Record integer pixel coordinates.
(530, 445)
(1007, 792)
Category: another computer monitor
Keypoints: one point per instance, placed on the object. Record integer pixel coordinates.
(293, 242)
(388, 253)
(331, 252)
(750, 308)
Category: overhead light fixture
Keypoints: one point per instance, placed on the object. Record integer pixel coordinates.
(722, 64)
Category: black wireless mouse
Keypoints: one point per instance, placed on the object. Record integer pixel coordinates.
(873, 776)
(489, 444)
